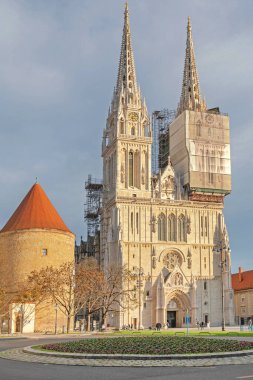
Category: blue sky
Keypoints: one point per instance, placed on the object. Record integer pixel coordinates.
(58, 66)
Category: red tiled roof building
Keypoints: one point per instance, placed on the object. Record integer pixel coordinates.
(242, 283)
(35, 211)
(34, 237)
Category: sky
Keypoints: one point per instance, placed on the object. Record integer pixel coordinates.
(58, 67)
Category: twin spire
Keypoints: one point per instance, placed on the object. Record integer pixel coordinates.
(126, 75)
(126, 81)
(190, 96)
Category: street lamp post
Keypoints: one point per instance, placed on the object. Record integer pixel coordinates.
(21, 318)
(139, 274)
(55, 322)
(221, 248)
(223, 264)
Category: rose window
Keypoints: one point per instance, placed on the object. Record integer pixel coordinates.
(171, 260)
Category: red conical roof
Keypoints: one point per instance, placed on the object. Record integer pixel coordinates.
(35, 211)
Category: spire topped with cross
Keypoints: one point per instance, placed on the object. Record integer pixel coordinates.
(190, 96)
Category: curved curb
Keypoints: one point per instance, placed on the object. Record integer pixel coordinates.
(18, 354)
(215, 355)
(12, 338)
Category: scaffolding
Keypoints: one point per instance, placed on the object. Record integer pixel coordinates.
(94, 188)
(161, 121)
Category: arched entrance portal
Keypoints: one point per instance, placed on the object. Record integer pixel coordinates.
(178, 305)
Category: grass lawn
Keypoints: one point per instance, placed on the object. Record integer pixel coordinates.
(183, 332)
(154, 345)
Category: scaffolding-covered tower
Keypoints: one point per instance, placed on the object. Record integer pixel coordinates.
(93, 189)
(161, 121)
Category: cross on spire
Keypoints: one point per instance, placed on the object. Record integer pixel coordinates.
(190, 96)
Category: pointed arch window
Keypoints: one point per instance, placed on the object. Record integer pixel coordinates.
(161, 227)
(131, 169)
(122, 126)
(137, 169)
(202, 225)
(145, 130)
(134, 176)
(209, 168)
(206, 226)
(203, 159)
(146, 170)
(172, 228)
(198, 125)
(132, 222)
(181, 228)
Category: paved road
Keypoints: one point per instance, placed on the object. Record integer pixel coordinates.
(14, 370)
(9, 343)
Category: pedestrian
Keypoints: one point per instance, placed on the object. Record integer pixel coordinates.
(158, 326)
(197, 324)
(250, 324)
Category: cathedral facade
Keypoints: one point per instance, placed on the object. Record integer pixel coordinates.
(167, 228)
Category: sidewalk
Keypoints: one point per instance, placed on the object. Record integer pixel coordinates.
(19, 355)
(43, 335)
(124, 332)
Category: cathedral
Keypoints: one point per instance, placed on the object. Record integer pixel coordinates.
(168, 227)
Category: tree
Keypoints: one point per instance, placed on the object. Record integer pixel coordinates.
(70, 288)
(119, 291)
(85, 286)
(89, 287)
(56, 284)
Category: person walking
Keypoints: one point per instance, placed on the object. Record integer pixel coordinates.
(158, 326)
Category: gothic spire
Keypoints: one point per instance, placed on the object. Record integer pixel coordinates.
(190, 95)
(126, 74)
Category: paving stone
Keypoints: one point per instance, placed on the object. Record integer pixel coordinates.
(19, 355)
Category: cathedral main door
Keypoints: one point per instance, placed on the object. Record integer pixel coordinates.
(172, 318)
(172, 313)
(176, 308)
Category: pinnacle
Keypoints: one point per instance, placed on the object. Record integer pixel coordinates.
(189, 23)
(190, 95)
(126, 73)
